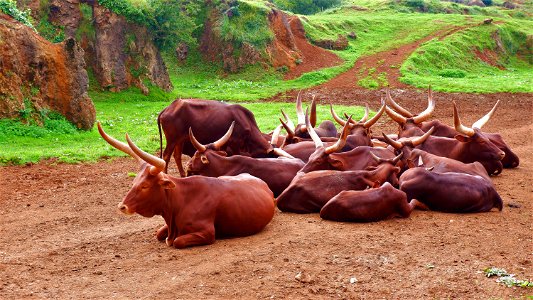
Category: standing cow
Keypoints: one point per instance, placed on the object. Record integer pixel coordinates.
(209, 119)
(196, 209)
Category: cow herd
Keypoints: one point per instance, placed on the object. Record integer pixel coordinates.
(237, 175)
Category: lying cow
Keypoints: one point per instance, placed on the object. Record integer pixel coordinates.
(210, 161)
(368, 205)
(308, 192)
(439, 164)
(450, 192)
(196, 209)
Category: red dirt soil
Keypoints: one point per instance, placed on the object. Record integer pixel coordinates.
(61, 235)
(313, 57)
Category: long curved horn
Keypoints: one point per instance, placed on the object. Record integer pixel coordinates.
(342, 139)
(402, 111)
(426, 114)
(290, 131)
(419, 140)
(459, 127)
(275, 135)
(200, 147)
(479, 123)
(395, 144)
(218, 144)
(365, 116)
(116, 143)
(395, 116)
(299, 111)
(335, 116)
(312, 133)
(312, 118)
(282, 153)
(288, 120)
(376, 158)
(397, 158)
(157, 163)
(376, 117)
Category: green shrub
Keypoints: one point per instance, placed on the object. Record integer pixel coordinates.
(9, 7)
(306, 7)
(452, 73)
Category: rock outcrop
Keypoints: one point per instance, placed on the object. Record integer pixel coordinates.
(36, 74)
(125, 52)
(120, 53)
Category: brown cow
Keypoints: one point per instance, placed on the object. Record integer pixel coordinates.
(209, 119)
(468, 146)
(409, 126)
(210, 161)
(360, 133)
(440, 164)
(325, 129)
(510, 160)
(450, 192)
(308, 192)
(368, 205)
(195, 209)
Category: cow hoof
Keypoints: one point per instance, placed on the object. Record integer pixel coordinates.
(169, 242)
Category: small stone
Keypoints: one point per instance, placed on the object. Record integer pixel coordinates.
(353, 280)
(514, 205)
(303, 277)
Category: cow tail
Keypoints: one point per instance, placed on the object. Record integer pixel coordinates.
(160, 136)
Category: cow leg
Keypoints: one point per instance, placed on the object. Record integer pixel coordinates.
(162, 233)
(178, 150)
(417, 204)
(199, 238)
(167, 153)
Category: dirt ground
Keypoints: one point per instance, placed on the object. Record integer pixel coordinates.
(61, 235)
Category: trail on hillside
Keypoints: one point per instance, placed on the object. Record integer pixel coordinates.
(313, 57)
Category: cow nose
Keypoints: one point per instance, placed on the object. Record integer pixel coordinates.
(122, 207)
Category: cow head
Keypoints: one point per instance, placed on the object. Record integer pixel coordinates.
(386, 169)
(477, 143)
(361, 128)
(409, 124)
(319, 159)
(200, 159)
(406, 145)
(146, 196)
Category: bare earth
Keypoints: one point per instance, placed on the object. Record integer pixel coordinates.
(61, 235)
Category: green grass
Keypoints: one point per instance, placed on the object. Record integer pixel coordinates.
(20, 143)
(451, 65)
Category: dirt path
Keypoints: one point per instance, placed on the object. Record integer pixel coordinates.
(62, 237)
(313, 57)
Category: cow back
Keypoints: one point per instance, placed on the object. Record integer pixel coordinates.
(367, 206)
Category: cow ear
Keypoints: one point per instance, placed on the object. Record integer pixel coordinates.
(166, 183)
(204, 159)
(335, 163)
(461, 138)
(222, 153)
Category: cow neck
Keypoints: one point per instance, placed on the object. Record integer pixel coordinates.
(172, 200)
(225, 165)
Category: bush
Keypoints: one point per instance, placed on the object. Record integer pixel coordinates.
(9, 7)
(452, 73)
(306, 7)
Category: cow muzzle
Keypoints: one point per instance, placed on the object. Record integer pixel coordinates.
(124, 208)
